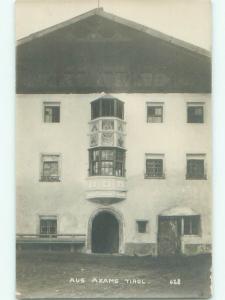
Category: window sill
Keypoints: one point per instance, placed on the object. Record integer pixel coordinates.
(107, 176)
(196, 178)
(199, 123)
(55, 180)
(151, 177)
(191, 235)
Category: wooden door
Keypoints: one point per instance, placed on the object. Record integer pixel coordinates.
(169, 232)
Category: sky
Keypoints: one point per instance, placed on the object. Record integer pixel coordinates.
(188, 20)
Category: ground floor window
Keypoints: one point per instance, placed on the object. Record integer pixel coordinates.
(142, 226)
(192, 225)
(48, 226)
(107, 162)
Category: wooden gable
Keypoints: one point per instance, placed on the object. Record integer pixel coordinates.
(101, 52)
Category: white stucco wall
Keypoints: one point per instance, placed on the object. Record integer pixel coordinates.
(146, 198)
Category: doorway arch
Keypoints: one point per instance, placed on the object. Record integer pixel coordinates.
(105, 232)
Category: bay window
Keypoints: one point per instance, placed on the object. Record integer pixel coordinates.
(107, 162)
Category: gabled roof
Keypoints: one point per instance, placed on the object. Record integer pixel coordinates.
(122, 21)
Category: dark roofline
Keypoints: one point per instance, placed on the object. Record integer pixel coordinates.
(109, 16)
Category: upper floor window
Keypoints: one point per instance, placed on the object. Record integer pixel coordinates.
(142, 226)
(107, 107)
(107, 162)
(154, 166)
(195, 112)
(196, 166)
(48, 226)
(154, 112)
(50, 167)
(51, 112)
(192, 225)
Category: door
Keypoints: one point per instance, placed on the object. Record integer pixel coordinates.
(169, 236)
(105, 233)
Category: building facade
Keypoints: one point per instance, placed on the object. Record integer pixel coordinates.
(113, 139)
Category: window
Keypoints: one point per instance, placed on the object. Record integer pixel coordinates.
(154, 166)
(107, 107)
(154, 112)
(51, 112)
(195, 166)
(50, 167)
(107, 162)
(191, 225)
(195, 113)
(142, 226)
(48, 226)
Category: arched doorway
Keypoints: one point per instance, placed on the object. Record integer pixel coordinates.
(105, 233)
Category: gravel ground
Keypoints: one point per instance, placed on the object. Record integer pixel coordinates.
(76, 275)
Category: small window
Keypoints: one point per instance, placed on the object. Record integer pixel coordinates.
(195, 167)
(154, 113)
(50, 168)
(154, 166)
(48, 226)
(51, 112)
(195, 113)
(191, 225)
(142, 226)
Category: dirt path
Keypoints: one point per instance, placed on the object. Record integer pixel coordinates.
(73, 275)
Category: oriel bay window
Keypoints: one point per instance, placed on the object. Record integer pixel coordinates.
(107, 107)
(107, 162)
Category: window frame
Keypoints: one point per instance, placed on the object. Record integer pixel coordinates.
(59, 177)
(146, 222)
(197, 157)
(155, 105)
(48, 218)
(195, 105)
(191, 225)
(51, 104)
(154, 156)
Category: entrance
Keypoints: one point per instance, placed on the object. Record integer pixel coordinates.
(169, 235)
(105, 233)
